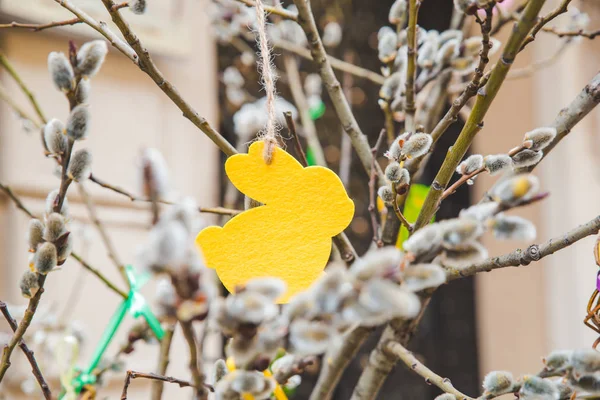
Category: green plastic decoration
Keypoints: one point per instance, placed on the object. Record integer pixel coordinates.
(412, 206)
(310, 156)
(317, 111)
(137, 306)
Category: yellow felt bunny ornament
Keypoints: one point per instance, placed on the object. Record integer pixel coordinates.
(289, 237)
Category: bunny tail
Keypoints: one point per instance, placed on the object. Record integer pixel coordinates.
(207, 242)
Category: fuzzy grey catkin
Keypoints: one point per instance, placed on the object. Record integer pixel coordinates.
(29, 284)
(391, 85)
(527, 158)
(220, 370)
(82, 93)
(397, 15)
(445, 396)
(496, 163)
(35, 234)
(386, 194)
(395, 151)
(387, 44)
(80, 167)
(137, 6)
(394, 172)
(539, 138)
(417, 145)
(55, 227)
(90, 57)
(78, 122)
(50, 199)
(61, 71)
(54, 137)
(470, 165)
(498, 382)
(64, 246)
(513, 227)
(45, 258)
(515, 189)
(535, 387)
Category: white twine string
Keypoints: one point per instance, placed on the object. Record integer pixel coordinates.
(269, 135)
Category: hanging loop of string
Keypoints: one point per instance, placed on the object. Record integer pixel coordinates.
(269, 135)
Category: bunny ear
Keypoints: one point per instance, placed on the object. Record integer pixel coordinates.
(261, 181)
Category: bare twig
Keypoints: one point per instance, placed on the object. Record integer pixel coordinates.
(110, 249)
(560, 9)
(411, 64)
(530, 69)
(24, 88)
(484, 99)
(101, 28)
(35, 369)
(430, 377)
(373, 192)
(340, 103)
(579, 33)
(289, 120)
(41, 27)
(116, 189)
(531, 254)
(310, 129)
(335, 363)
(99, 275)
(346, 144)
(163, 361)
(195, 363)
(134, 374)
(335, 63)
(279, 11)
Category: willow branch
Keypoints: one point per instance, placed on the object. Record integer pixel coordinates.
(19, 204)
(560, 9)
(163, 362)
(195, 365)
(533, 253)
(579, 33)
(411, 64)
(136, 52)
(430, 377)
(485, 97)
(24, 88)
(110, 249)
(41, 27)
(35, 369)
(335, 63)
(161, 378)
(132, 197)
(470, 90)
(335, 363)
(101, 28)
(147, 65)
(22, 328)
(98, 274)
(340, 103)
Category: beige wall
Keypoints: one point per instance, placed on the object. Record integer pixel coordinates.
(129, 112)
